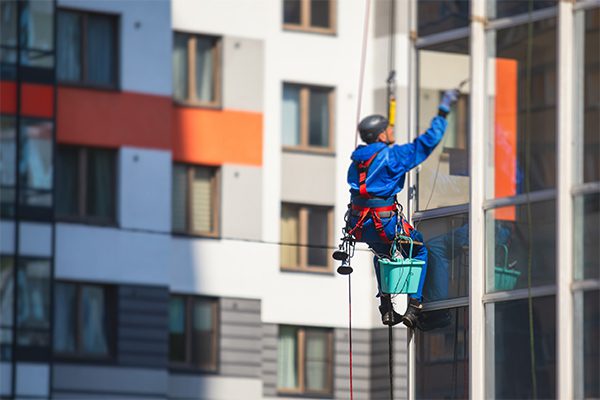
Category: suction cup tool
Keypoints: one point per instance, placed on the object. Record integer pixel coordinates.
(340, 255)
(344, 269)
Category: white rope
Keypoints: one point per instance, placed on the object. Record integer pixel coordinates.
(362, 66)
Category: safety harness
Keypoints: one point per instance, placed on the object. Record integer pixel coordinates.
(368, 211)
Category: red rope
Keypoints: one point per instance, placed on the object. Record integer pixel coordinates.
(350, 331)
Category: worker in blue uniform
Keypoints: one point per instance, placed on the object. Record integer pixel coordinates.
(377, 173)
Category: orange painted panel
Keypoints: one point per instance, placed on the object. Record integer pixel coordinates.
(113, 119)
(8, 97)
(505, 135)
(37, 100)
(215, 137)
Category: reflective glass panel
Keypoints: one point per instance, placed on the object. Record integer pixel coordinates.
(180, 66)
(8, 153)
(6, 306)
(37, 24)
(203, 331)
(65, 318)
(68, 52)
(101, 50)
(290, 233)
(442, 370)
(587, 93)
(101, 185)
(443, 179)
(507, 8)
(67, 181)
(586, 225)
(35, 168)
(447, 242)
(287, 358)
(520, 240)
(435, 16)
(522, 109)
(319, 13)
(205, 68)
(93, 319)
(290, 119)
(319, 115)
(515, 351)
(291, 11)
(586, 355)
(8, 23)
(201, 197)
(177, 322)
(317, 365)
(318, 235)
(33, 302)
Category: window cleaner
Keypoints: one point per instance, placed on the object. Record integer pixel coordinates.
(377, 173)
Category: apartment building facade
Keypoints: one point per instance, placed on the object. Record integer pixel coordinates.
(173, 173)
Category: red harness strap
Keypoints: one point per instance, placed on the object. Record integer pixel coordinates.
(373, 212)
(363, 167)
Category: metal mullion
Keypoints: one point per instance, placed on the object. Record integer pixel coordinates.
(586, 284)
(586, 4)
(447, 36)
(585, 188)
(519, 294)
(305, 14)
(191, 59)
(477, 151)
(520, 199)
(304, 116)
(445, 304)
(441, 212)
(303, 236)
(509, 22)
(301, 359)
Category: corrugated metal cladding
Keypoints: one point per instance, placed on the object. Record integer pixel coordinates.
(240, 338)
(142, 334)
(269, 360)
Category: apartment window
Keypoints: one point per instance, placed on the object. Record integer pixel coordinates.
(33, 302)
(87, 48)
(307, 120)
(86, 184)
(309, 15)
(84, 320)
(193, 333)
(8, 154)
(305, 360)
(195, 200)
(197, 69)
(306, 231)
(6, 306)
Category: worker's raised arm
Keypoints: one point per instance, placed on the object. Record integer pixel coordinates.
(412, 154)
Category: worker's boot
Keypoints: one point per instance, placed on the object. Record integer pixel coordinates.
(412, 313)
(389, 317)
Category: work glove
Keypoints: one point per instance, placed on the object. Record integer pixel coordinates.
(450, 96)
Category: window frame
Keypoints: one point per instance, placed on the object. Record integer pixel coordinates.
(304, 119)
(188, 365)
(83, 82)
(305, 26)
(111, 320)
(215, 186)
(303, 245)
(217, 72)
(301, 362)
(82, 186)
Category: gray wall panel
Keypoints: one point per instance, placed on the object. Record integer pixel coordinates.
(308, 178)
(242, 210)
(243, 73)
(269, 359)
(142, 335)
(240, 339)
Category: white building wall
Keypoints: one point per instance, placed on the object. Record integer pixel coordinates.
(145, 56)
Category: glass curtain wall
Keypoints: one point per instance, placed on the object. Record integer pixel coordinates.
(442, 357)
(586, 198)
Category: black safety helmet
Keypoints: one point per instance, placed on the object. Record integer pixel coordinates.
(370, 127)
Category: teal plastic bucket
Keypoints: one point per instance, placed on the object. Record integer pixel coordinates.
(505, 278)
(400, 275)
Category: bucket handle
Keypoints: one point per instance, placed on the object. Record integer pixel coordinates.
(411, 245)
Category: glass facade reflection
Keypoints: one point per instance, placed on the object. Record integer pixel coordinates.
(524, 362)
(447, 241)
(443, 357)
(508, 8)
(437, 16)
(444, 176)
(587, 237)
(521, 238)
(522, 109)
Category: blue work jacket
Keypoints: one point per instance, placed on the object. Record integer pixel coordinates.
(387, 172)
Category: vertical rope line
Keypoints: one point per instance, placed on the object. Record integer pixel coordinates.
(362, 66)
(528, 189)
(391, 360)
(350, 331)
